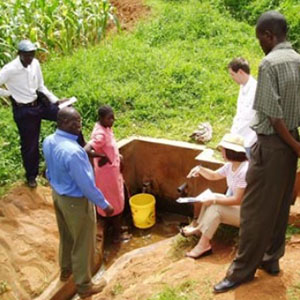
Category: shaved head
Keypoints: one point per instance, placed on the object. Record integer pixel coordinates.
(274, 22)
(67, 113)
(68, 119)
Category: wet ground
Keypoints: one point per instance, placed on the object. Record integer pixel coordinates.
(166, 226)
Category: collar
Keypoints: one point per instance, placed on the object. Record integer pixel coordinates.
(283, 45)
(247, 86)
(66, 134)
(18, 64)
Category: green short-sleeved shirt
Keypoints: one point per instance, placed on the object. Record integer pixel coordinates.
(278, 89)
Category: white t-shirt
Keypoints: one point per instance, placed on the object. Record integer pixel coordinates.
(245, 114)
(236, 179)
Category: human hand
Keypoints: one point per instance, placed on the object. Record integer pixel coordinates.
(208, 202)
(103, 160)
(109, 210)
(194, 172)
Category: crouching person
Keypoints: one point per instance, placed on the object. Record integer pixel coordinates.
(74, 194)
(221, 208)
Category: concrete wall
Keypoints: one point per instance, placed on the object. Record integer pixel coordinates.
(165, 164)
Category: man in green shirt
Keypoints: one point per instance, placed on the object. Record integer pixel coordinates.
(272, 168)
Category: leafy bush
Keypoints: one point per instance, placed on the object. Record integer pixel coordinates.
(250, 10)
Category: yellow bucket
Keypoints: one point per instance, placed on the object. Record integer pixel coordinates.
(143, 210)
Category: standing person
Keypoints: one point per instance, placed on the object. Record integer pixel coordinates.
(220, 208)
(272, 168)
(74, 192)
(106, 160)
(239, 71)
(31, 102)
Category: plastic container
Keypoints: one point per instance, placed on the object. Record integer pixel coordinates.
(143, 210)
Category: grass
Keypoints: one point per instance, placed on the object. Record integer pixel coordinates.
(291, 230)
(185, 291)
(162, 79)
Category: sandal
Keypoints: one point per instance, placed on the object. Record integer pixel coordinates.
(196, 255)
(189, 231)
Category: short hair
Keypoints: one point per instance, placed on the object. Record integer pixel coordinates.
(65, 114)
(274, 22)
(235, 156)
(104, 110)
(239, 63)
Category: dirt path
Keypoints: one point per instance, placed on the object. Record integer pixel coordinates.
(28, 242)
(146, 273)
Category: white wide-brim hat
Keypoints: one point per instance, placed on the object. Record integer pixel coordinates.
(233, 142)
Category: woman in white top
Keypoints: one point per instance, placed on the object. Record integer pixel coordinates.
(220, 209)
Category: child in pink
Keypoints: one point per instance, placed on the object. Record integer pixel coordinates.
(106, 160)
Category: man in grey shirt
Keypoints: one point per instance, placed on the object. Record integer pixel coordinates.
(272, 169)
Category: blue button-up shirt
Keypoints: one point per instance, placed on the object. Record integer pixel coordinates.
(68, 168)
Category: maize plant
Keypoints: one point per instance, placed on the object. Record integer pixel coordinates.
(57, 25)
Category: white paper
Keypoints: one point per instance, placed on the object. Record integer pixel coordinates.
(204, 196)
(67, 103)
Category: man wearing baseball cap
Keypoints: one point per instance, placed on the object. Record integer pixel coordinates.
(31, 102)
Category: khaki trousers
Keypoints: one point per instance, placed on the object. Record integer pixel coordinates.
(265, 207)
(211, 216)
(76, 220)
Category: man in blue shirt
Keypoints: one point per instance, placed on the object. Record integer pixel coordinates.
(74, 194)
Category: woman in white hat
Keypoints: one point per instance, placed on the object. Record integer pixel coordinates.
(221, 208)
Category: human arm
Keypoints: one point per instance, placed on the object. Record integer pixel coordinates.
(268, 101)
(92, 153)
(81, 172)
(281, 129)
(3, 79)
(41, 86)
(205, 172)
(235, 199)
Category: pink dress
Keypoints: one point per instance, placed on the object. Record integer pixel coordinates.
(108, 177)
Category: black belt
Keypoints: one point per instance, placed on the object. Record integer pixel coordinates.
(31, 104)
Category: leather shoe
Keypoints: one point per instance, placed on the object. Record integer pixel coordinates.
(225, 285)
(31, 182)
(65, 275)
(94, 289)
(271, 268)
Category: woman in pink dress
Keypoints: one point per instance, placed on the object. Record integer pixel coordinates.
(106, 160)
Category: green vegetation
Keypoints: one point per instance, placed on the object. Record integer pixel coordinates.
(291, 230)
(183, 292)
(293, 291)
(56, 25)
(250, 10)
(162, 79)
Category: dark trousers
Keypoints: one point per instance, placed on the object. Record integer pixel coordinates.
(265, 206)
(28, 120)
